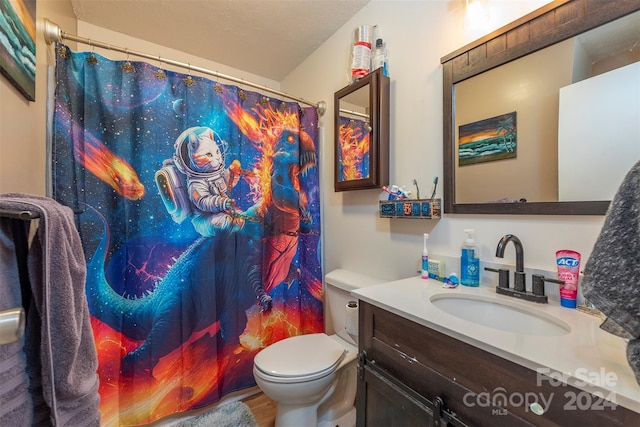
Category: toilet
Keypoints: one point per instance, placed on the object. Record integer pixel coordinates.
(313, 377)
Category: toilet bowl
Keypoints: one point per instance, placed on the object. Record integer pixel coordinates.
(302, 373)
(313, 377)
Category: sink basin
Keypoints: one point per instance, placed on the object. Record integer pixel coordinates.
(499, 314)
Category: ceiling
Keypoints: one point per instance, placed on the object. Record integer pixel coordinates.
(621, 35)
(265, 37)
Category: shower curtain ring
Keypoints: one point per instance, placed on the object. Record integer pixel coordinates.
(265, 99)
(188, 81)
(216, 86)
(127, 67)
(92, 60)
(241, 93)
(160, 75)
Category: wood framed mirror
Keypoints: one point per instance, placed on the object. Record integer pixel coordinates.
(510, 56)
(361, 139)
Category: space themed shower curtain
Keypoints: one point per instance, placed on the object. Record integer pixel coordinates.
(200, 220)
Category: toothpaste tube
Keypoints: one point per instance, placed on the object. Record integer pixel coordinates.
(568, 263)
(451, 281)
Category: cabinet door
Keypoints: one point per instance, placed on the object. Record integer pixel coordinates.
(434, 364)
(381, 402)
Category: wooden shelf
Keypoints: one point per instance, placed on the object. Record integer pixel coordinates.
(415, 209)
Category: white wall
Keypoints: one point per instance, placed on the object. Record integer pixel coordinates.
(23, 123)
(417, 35)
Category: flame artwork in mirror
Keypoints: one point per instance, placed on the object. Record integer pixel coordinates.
(362, 134)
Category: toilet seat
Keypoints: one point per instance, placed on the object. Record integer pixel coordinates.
(299, 359)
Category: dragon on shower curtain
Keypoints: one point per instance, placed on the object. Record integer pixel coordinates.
(200, 224)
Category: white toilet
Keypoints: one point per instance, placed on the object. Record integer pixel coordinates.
(313, 377)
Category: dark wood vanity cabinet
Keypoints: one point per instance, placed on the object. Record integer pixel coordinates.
(411, 375)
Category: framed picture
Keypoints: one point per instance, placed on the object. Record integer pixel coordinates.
(18, 50)
(362, 133)
(488, 140)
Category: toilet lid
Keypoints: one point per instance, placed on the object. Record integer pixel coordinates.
(300, 356)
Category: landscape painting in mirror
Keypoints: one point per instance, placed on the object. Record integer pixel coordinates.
(488, 140)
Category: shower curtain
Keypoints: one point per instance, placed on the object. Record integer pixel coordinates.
(199, 216)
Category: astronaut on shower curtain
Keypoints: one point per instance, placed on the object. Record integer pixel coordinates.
(199, 154)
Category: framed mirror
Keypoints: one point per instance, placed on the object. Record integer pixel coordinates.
(521, 104)
(362, 134)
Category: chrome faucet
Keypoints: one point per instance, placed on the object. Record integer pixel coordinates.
(518, 275)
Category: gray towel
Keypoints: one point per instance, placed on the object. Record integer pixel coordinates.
(67, 353)
(15, 399)
(612, 273)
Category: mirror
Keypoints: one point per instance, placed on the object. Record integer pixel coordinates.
(362, 133)
(518, 112)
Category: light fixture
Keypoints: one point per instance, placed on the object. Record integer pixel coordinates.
(478, 13)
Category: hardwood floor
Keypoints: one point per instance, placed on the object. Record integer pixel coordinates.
(263, 409)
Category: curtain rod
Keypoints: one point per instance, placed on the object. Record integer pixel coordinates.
(53, 34)
(354, 113)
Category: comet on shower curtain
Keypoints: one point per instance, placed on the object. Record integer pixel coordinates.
(216, 252)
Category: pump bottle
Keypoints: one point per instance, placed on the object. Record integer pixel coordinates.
(469, 261)
(425, 258)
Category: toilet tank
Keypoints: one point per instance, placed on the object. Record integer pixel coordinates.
(337, 294)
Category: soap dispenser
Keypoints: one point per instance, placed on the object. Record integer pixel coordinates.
(469, 261)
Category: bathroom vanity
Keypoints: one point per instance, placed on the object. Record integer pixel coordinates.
(424, 363)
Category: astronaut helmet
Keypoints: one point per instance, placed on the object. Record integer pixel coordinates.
(199, 152)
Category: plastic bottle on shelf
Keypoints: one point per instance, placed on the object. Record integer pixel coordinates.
(469, 261)
(379, 59)
(361, 52)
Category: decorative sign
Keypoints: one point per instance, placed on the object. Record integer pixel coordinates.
(423, 208)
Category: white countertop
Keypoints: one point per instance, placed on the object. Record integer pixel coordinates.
(587, 357)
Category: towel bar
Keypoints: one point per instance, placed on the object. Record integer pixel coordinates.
(11, 325)
(24, 215)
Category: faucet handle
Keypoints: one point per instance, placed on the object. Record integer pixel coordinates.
(503, 276)
(537, 286)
